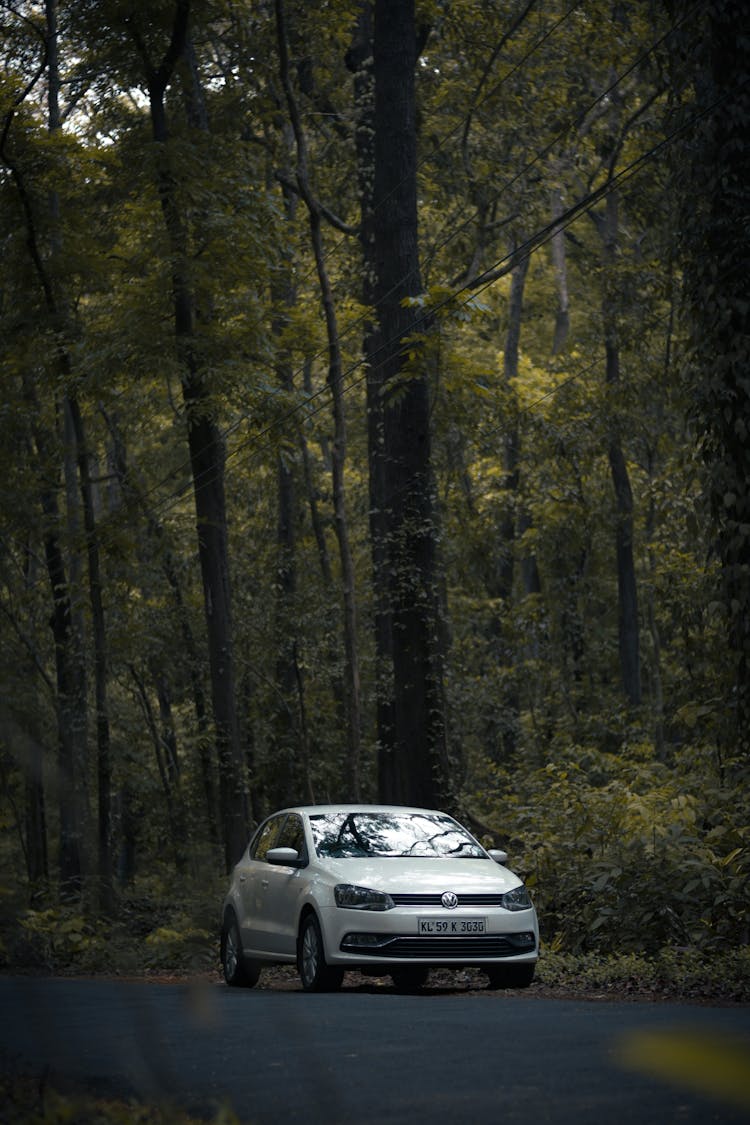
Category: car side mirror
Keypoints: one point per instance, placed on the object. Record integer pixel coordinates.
(496, 854)
(284, 857)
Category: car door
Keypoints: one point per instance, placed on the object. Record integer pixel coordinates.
(252, 876)
(283, 886)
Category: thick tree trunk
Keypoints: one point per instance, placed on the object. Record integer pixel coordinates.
(360, 62)
(207, 461)
(417, 772)
(713, 188)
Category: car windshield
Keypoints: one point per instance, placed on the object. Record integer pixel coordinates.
(349, 835)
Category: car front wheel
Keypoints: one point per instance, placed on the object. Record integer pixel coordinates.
(511, 976)
(238, 972)
(315, 974)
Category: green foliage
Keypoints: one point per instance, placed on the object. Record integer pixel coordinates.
(625, 853)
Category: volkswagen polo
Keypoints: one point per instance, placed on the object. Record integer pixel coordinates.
(385, 890)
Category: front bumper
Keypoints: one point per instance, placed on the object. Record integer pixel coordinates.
(356, 937)
(469, 950)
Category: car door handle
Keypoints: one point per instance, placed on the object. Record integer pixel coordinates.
(264, 883)
(242, 878)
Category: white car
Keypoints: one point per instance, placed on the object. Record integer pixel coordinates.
(382, 889)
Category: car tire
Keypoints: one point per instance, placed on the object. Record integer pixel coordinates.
(238, 971)
(315, 974)
(410, 978)
(511, 976)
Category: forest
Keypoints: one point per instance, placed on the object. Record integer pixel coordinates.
(374, 426)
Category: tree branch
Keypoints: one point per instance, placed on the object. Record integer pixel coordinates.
(332, 219)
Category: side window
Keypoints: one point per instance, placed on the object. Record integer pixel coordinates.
(292, 835)
(266, 838)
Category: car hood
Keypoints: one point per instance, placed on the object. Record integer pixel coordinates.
(422, 876)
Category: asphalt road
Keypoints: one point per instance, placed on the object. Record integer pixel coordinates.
(373, 1055)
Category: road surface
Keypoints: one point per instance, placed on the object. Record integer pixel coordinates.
(358, 1056)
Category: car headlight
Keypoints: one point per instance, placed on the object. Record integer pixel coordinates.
(361, 898)
(517, 899)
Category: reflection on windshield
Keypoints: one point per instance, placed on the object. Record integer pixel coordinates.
(416, 835)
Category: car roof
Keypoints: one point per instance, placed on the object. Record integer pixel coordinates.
(312, 810)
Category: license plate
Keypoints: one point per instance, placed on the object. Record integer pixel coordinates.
(451, 926)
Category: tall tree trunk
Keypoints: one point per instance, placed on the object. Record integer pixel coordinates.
(75, 538)
(35, 806)
(501, 585)
(511, 447)
(289, 765)
(559, 261)
(72, 414)
(338, 451)
(101, 675)
(418, 771)
(627, 588)
(657, 687)
(338, 692)
(72, 406)
(207, 456)
(71, 706)
(207, 461)
(165, 750)
(360, 62)
(713, 189)
(71, 701)
(37, 868)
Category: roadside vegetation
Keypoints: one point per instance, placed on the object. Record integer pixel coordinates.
(167, 940)
(38, 1101)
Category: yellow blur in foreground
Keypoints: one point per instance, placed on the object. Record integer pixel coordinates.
(708, 1064)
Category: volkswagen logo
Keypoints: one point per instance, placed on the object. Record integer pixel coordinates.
(449, 900)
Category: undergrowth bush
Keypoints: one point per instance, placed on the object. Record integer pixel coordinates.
(671, 973)
(152, 930)
(25, 1100)
(625, 854)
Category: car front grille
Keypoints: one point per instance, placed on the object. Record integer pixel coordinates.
(464, 948)
(436, 900)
